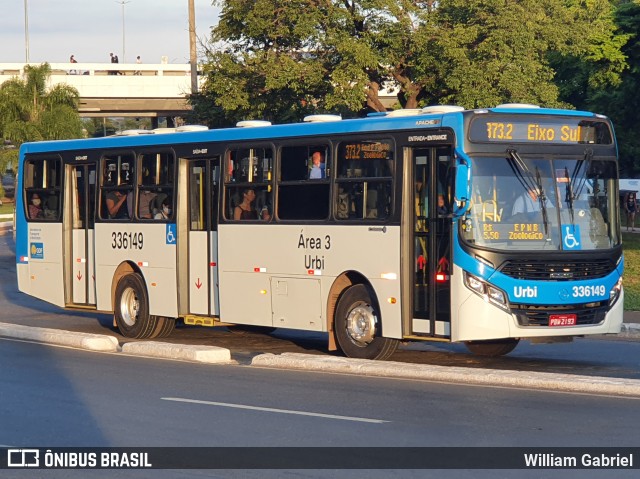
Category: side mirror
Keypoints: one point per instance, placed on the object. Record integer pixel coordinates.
(463, 189)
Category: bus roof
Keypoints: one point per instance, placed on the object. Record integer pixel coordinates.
(378, 122)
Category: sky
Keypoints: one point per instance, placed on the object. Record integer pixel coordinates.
(91, 29)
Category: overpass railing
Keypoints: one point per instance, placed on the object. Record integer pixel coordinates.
(115, 80)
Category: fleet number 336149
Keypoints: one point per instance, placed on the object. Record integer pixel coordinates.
(589, 291)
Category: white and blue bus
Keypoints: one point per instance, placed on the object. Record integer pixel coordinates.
(484, 226)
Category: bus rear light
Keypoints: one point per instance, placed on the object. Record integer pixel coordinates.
(441, 277)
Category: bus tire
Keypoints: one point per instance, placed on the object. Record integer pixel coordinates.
(131, 309)
(164, 328)
(492, 348)
(357, 326)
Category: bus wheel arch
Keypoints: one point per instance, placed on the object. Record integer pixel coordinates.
(355, 321)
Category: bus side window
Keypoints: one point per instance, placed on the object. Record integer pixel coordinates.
(248, 190)
(364, 180)
(118, 180)
(303, 184)
(43, 179)
(155, 182)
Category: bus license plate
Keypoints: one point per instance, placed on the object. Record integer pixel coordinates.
(563, 319)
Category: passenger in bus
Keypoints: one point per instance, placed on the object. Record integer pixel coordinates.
(442, 209)
(115, 201)
(246, 211)
(318, 169)
(165, 212)
(35, 208)
(145, 208)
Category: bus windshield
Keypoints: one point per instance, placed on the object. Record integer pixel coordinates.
(542, 203)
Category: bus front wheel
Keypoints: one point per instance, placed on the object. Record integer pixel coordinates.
(492, 348)
(357, 326)
(131, 309)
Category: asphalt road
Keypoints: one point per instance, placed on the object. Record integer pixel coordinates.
(56, 397)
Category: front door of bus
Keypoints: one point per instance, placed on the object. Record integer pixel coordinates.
(81, 194)
(203, 236)
(432, 177)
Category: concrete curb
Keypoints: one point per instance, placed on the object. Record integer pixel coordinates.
(484, 377)
(92, 342)
(200, 354)
(630, 330)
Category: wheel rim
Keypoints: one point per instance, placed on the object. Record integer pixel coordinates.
(361, 324)
(129, 307)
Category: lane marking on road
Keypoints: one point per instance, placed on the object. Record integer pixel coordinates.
(281, 411)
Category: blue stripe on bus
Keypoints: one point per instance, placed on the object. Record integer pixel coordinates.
(540, 292)
(267, 133)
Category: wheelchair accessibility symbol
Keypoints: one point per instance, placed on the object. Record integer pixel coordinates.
(171, 234)
(571, 237)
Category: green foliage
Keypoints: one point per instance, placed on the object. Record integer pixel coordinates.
(631, 247)
(30, 112)
(282, 59)
(622, 103)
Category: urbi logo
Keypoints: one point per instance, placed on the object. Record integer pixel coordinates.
(37, 251)
(528, 292)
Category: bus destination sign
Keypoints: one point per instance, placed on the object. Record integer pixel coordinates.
(509, 128)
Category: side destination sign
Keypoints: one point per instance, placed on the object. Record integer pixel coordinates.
(542, 129)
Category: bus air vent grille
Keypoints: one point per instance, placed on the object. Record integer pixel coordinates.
(557, 270)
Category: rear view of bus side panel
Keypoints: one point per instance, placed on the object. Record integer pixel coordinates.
(39, 252)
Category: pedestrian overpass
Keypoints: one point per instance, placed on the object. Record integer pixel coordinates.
(129, 89)
(122, 89)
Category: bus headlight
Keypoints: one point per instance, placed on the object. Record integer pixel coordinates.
(488, 292)
(497, 296)
(614, 294)
(474, 284)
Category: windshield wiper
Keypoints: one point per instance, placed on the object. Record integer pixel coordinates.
(530, 182)
(584, 162)
(543, 202)
(519, 167)
(568, 195)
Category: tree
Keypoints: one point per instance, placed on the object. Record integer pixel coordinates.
(599, 62)
(282, 59)
(622, 103)
(486, 52)
(279, 59)
(31, 112)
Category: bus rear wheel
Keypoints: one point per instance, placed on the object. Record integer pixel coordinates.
(492, 348)
(131, 309)
(164, 327)
(357, 326)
